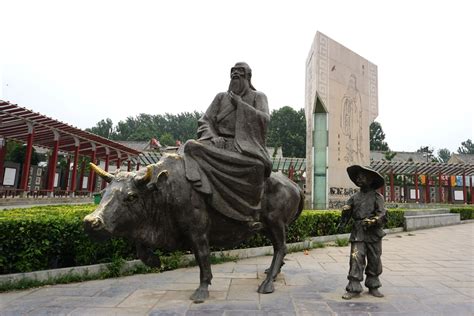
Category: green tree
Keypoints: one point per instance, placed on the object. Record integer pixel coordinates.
(182, 126)
(443, 155)
(377, 137)
(389, 155)
(427, 153)
(104, 128)
(287, 129)
(143, 127)
(16, 152)
(467, 147)
(167, 140)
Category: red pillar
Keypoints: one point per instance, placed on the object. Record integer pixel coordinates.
(81, 177)
(129, 165)
(291, 172)
(3, 151)
(427, 185)
(404, 189)
(106, 168)
(472, 189)
(138, 165)
(90, 182)
(392, 188)
(72, 187)
(464, 186)
(68, 168)
(417, 198)
(107, 162)
(119, 163)
(440, 188)
(26, 165)
(52, 163)
(450, 196)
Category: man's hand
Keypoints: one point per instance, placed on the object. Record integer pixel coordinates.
(219, 142)
(235, 98)
(346, 207)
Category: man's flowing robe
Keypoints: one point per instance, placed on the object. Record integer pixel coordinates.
(232, 177)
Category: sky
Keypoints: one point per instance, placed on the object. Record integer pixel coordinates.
(84, 61)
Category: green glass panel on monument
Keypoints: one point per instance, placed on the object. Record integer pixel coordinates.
(320, 161)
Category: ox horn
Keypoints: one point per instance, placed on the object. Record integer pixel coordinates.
(147, 176)
(102, 173)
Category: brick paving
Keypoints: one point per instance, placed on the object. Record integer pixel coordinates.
(426, 272)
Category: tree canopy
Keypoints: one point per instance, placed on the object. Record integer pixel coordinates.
(104, 128)
(377, 137)
(288, 130)
(467, 147)
(143, 127)
(16, 152)
(443, 155)
(427, 152)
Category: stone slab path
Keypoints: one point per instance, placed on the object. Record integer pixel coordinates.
(426, 272)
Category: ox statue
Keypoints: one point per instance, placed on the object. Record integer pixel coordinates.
(158, 208)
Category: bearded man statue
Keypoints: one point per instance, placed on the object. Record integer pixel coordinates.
(229, 162)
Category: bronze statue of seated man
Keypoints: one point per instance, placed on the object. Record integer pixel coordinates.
(229, 163)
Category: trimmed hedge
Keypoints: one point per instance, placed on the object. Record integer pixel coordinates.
(49, 237)
(466, 212)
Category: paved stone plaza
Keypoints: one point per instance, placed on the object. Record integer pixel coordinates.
(426, 272)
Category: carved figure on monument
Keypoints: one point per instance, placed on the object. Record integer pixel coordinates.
(351, 121)
(366, 209)
(218, 190)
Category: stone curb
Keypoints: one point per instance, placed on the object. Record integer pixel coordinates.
(238, 253)
(307, 244)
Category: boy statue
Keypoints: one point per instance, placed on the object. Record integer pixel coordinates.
(366, 208)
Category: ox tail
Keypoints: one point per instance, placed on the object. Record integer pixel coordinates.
(300, 206)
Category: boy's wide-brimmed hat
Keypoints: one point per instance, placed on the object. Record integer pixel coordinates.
(375, 179)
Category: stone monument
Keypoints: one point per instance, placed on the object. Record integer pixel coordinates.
(341, 103)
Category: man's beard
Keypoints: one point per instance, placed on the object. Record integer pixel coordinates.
(238, 85)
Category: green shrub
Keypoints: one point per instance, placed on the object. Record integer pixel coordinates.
(318, 223)
(342, 242)
(395, 218)
(48, 237)
(466, 212)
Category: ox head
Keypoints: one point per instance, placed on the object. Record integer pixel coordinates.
(121, 208)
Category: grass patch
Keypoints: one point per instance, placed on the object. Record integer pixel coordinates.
(319, 244)
(342, 242)
(112, 270)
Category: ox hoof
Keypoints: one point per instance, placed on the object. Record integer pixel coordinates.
(200, 295)
(266, 287)
(375, 292)
(350, 295)
(279, 270)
